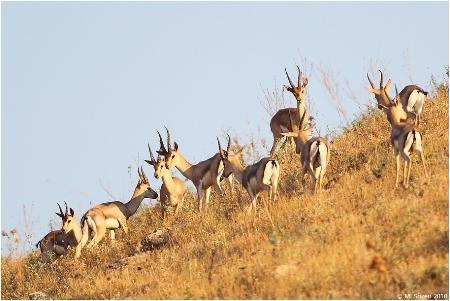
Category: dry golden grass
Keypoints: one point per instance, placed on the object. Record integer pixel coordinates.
(358, 239)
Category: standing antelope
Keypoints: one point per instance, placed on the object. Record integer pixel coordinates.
(172, 190)
(412, 98)
(203, 175)
(280, 121)
(255, 178)
(113, 215)
(314, 153)
(404, 138)
(56, 242)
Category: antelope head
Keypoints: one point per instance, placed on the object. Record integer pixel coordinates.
(381, 93)
(300, 135)
(228, 159)
(299, 90)
(68, 218)
(394, 108)
(159, 165)
(170, 154)
(143, 186)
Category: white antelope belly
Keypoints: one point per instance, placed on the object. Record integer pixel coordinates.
(112, 223)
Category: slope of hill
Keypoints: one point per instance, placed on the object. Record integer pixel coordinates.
(360, 238)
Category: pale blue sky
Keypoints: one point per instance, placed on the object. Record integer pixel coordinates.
(85, 85)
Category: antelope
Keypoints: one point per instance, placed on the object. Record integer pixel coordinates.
(404, 138)
(171, 193)
(412, 98)
(56, 242)
(255, 178)
(314, 153)
(280, 121)
(113, 215)
(203, 175)
(72, 225)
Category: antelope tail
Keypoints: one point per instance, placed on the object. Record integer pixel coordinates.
(423, 91)
(271, 167)
(84, 230)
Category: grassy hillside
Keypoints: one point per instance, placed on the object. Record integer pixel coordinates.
(358, 239)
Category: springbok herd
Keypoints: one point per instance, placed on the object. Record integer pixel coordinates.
(403, 113)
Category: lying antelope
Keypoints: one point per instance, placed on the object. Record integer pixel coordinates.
(255, 178)
(404, 138)
(280, 121)
(56, 242)
(412, 98)
(314, 153)
(203, 175)
(113, 215)
(172, 190)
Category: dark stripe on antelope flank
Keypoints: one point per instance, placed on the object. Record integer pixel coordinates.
(251, 171)
(406, 92)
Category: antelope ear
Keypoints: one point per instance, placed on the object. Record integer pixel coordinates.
(286, 88)
(382, 106)
(71, 211)
(150, 162)
(59, 214)
(160, 152)
(290, 134)
(175, 145)
(305, 82)
(374, 91)
(388, 86)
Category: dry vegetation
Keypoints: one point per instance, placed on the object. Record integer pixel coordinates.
(358, 239)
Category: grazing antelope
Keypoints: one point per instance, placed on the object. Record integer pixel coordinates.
(255, 178)
(280, 121)
(113, 215)
(314, 153)
(203, 175)
(412, 98)
(56, 242)
(172, 190)
(404, 138)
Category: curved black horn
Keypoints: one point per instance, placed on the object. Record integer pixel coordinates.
(60, 210)
(218, 142)
(229, 143)
(299, 77)
(381, 79)
(289, 79)
(370, 81)
(144, 177)
(66, 208)
(139, 173)
(151, 154)
(169, 144)
(162, 148)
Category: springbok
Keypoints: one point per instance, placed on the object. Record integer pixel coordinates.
(412, 98)
(172, 190)
(113, 215)
(203, 175)
(255, 178)
(56, 242)
(72, 225)
(404, 138)
(280, 121)
(314, 153)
